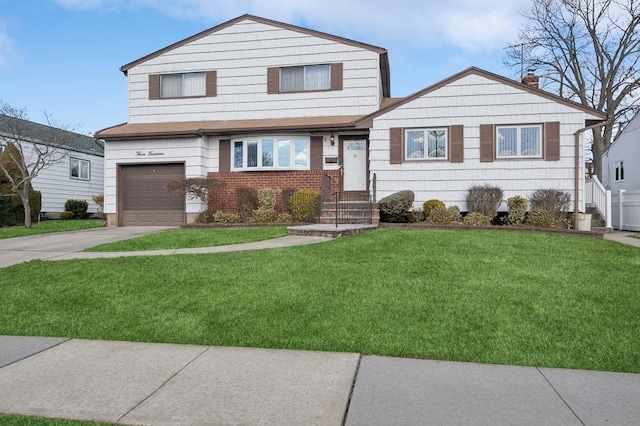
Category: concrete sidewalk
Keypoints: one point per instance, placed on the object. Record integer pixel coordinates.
(71, 245)
(623, 237)
(167, 384)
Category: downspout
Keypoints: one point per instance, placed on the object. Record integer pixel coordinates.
(576, 191)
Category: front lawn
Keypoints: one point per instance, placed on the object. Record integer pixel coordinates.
(478, 295)
(195, 237)
(47, 226)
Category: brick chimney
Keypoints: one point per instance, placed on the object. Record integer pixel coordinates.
(531, 79)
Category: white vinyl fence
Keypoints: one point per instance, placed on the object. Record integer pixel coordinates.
(625, 206)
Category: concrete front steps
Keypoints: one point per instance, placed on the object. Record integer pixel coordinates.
(327, 230)
(355, 217)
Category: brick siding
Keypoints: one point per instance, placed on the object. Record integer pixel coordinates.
(225, 199)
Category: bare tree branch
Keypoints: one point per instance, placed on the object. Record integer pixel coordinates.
(587, 51)
(34, 147)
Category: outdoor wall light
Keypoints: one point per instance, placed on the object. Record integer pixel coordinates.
(332, 139)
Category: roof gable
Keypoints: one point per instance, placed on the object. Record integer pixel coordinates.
(490, 76)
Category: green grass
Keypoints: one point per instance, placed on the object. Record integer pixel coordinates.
(194, 237)
(48, 226)
(8, 420)
(482, 296)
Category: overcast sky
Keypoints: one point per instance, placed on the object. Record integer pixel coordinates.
(63, 56)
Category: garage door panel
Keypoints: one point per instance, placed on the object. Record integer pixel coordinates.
(145, 200)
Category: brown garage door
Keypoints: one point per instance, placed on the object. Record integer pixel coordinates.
(144, 199)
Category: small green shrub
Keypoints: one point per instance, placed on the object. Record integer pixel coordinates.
(221, 217)
(284, 218)
(477, 219)
(264, 215)
(246, 203)
(306, 205)
(541, 218)
(429, 205)
(66, 215)
(444, 216)
(396, 208)
(517, 211)
(267, 198)
(77, 207)
(484, 199)
(553, 201)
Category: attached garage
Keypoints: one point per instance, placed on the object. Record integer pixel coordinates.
(143, 199)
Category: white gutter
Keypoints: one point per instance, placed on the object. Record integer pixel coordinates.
(578, 175)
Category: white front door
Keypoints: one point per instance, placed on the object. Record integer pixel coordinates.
(354, 163)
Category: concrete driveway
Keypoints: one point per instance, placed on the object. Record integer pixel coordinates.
(59, 244)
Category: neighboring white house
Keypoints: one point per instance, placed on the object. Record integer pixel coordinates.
(78, 175)
(259, 103)
(621, 174)
(621, 162)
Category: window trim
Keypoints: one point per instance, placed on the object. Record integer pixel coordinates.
(210, 85)
(80, 162)
(618, 171)
(259, 140)
(406, 155)
(336, 78)
(304, 78)
(518, 155)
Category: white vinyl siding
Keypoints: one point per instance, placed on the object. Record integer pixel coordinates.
(241, 55)
(472, 101)
(198, 154)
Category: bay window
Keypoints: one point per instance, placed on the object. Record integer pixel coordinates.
(271, 153)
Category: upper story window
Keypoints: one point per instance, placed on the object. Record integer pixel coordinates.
(519, 141)
(182, 85)
(269, 153)
(305, 78)
(310, 77)
(80, 169)
(426, 144)
(619, 171)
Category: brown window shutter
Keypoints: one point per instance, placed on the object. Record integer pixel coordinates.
(552, 140)
(154, 86)
(273, 80)
(395, 145)
(211, 84)
(316, 152)
(225, 155)
(487, 143)
(457, 144)
(336, 76)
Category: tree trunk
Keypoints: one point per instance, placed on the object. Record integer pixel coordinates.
(24, 196)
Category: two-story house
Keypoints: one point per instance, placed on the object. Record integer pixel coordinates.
(259, 103)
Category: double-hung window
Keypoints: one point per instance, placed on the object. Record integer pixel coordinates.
(426, 144)
(183, 85)
(80, 169)
(305, 78)
(619, 171)
(519, 141)
(269, 153)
